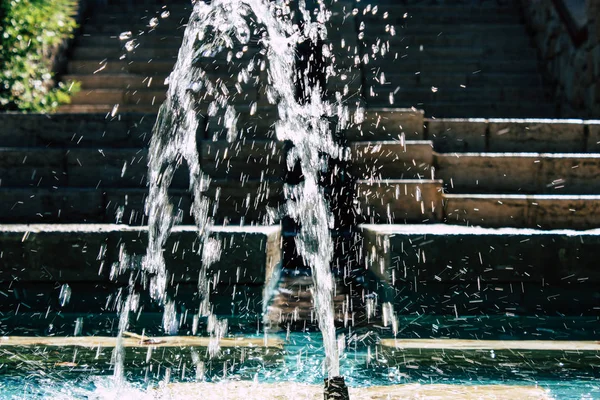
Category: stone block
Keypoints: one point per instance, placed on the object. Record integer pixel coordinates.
(565, 136)
(489, 172)
(249, 255)
(244, 159)
(397, 201)
(50, 205)
(260, 125)
(26, 167)
(392, 160)
(569, 174)
(110, 168)
(388, 124)
(127, 206)
(565, 212)
(492, 211)
(400, 254)
(593, 139)
(52, 253)
(457, 135)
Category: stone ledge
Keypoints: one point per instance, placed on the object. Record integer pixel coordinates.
(88, 251)
(299, 391)
(441, 269)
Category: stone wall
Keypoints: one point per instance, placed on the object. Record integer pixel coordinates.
(571, 66)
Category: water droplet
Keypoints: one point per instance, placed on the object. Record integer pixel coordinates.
(130, 45)
(125, 35)
(65, 295)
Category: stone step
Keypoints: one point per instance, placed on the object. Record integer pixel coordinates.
(120, 96)
(392, 160)
(440, 269)
(113, 41)
(109, 110)
(249, 202)
(480, 52)
(396, 12)
(134, 26)
(140, 15)
(399, 200)
(243, 159)
(455, 94)
(432, 64)
(455, 79)
(157, 67)
(72, 130)
(477, 109)
(375, 124)
(463, 38)
(42, 167)
(513, 135)
(118, 81)
(141, 53)
(414, 27)
(541, 173)
(245, 203)
(250, 259)
(215, 68)
(523, 211)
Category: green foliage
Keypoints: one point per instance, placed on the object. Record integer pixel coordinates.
(30, 31)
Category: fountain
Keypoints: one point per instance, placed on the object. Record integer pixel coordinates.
(284, 51)
(216, 28)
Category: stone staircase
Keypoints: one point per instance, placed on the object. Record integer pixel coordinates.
(452, 59)
(423, 195)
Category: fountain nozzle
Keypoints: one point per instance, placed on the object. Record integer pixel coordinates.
(336, 389)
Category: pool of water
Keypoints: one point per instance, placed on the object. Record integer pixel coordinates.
(363, 363)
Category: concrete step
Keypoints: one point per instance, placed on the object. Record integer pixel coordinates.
(399, 200)
(392, 160)
(578, 212)
(513, 135)
(118, 81)
(541, 173)
(457, 271)
(149, 97)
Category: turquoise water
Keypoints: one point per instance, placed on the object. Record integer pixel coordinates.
(301, 361)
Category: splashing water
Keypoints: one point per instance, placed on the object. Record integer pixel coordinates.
(215, 29)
